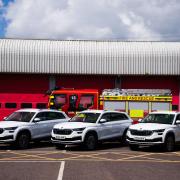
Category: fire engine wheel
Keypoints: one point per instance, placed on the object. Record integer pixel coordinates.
(90, 142)
(169, 144)
(23, 140)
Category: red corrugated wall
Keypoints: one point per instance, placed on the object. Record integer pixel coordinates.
(87, 81)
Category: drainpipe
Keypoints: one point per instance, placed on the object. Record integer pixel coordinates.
(52, 82)
(118, 82)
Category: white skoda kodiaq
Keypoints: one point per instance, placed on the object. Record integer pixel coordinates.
(91, 126)
(157, 128)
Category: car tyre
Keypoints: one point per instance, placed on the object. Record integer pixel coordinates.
(23, 140)
(123, 139)
(91, 142)
(169, 144)
(133, 147)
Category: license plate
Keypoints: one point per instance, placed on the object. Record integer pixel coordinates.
(139, 138)
(60, 137)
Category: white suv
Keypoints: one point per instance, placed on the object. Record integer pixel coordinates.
(91, 126)
(158, 128)
(25, 125)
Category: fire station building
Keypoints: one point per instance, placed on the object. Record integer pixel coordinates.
(28, 68)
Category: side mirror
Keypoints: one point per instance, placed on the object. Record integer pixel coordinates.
(4, 118)
(37, 120)
(102, 121)
(178, 122)
(139, 120)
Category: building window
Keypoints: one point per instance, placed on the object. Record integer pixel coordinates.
(41, 105)
(10, 105)
(175, 107)
(26, 105)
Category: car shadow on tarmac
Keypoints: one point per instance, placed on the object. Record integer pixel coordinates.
(108, 146)
(32, 146)
(115, 146)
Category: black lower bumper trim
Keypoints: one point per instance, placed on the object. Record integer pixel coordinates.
(68, 139)
(6, 138)
(146, 140)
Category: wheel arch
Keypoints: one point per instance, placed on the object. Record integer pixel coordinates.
(24, 131)
(91, 132)
(170, 133)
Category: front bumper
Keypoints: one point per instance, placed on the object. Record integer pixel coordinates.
(151, 140)
(68, 139)
(146, 142)
(6, 139)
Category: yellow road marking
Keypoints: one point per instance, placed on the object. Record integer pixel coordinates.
(86, 156)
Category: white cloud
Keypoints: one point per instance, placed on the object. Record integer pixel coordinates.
(94, 19)
(1, 3)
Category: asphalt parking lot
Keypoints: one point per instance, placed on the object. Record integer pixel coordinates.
(110, 161)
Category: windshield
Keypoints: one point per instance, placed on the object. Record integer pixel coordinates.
(59, 101)
(86, 117)
(20, 116)
(159, 118)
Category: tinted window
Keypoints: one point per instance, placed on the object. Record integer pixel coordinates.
(118, 117)
(60, 116)
(54, 115)
(10, 105)
(41, 116)
(41, 105)
(106, 117)
(175, 107)
(178, 117)
(20, 116)
(26, 105)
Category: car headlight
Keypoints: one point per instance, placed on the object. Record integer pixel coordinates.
(11, 129)
(159, 131)
(79, 129)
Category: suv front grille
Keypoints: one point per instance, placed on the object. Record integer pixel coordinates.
(1, 130)
(62, 131)
(141, 133)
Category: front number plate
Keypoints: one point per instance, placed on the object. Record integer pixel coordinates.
(60, 137)
(140, 138)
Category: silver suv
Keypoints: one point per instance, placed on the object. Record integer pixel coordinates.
(158, 128)
(90, 126)
(25, 125)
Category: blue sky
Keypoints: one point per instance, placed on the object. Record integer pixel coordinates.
(3, 22)
(91, 19)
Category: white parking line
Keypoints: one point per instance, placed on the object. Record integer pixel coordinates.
(61, 171)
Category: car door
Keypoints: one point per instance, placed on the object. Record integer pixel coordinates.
(38, 129)
(177, 129)
(53, 118)
(119, 122)
(105, 128)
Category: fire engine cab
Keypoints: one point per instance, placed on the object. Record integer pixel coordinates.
(72, 101)
(136, 102)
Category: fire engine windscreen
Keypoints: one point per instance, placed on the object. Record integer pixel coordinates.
(86, 101)
(59, 100)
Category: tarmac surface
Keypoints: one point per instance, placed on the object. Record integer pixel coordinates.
(110, 161)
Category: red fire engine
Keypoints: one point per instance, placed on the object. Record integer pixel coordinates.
(136, 102)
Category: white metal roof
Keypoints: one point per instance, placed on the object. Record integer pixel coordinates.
(89, 57)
